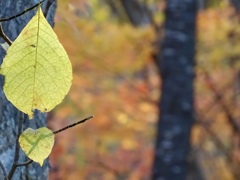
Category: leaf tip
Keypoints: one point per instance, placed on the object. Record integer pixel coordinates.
(30, 115)
(40, 163)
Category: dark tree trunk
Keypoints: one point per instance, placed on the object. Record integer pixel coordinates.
(8, 113)
(137, 12)
(176, 65)
(236, 5)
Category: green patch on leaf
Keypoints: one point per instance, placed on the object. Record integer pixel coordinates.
(37, 144)
(37, 70)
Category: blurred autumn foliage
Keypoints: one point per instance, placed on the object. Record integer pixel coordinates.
(116, 79)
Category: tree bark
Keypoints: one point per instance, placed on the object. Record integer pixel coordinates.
(176, 64)
(8, 113)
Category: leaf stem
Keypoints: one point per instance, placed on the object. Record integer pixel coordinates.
(74, 124)
(3, 35)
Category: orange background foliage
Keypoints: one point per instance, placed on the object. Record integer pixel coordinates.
(115, 79)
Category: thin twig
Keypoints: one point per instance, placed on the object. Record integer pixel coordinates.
(218, 142)
(48, 5)
(3, 35)
(17, 147)
(219, 98)
(26, 10)
(208, 108)
(55, 132)
(215, 138)
(24, 163)
(15, 164)
(71, 125)
(108, 168)
(3, 170)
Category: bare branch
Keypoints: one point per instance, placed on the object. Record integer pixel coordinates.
(17, 147)
(219, 98)
(24, 163)
(15, 16)
(14, 167)
(4, 36)
(49, 3)
(71, 125)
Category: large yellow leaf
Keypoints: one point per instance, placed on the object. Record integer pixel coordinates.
(37, 144)
(37, 70)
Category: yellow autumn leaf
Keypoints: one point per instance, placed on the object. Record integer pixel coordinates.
(37, 69)
(37, 144)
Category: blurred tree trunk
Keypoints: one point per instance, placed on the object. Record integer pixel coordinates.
(236, 5)
(204, 4)
(136, 12)
(175, 60)
(8, 113)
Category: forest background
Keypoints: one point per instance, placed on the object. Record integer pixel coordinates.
(116, 79)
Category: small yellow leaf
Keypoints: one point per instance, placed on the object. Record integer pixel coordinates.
(37, 69)
(37, 144)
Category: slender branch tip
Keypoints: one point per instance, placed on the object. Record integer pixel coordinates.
(74, 124)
